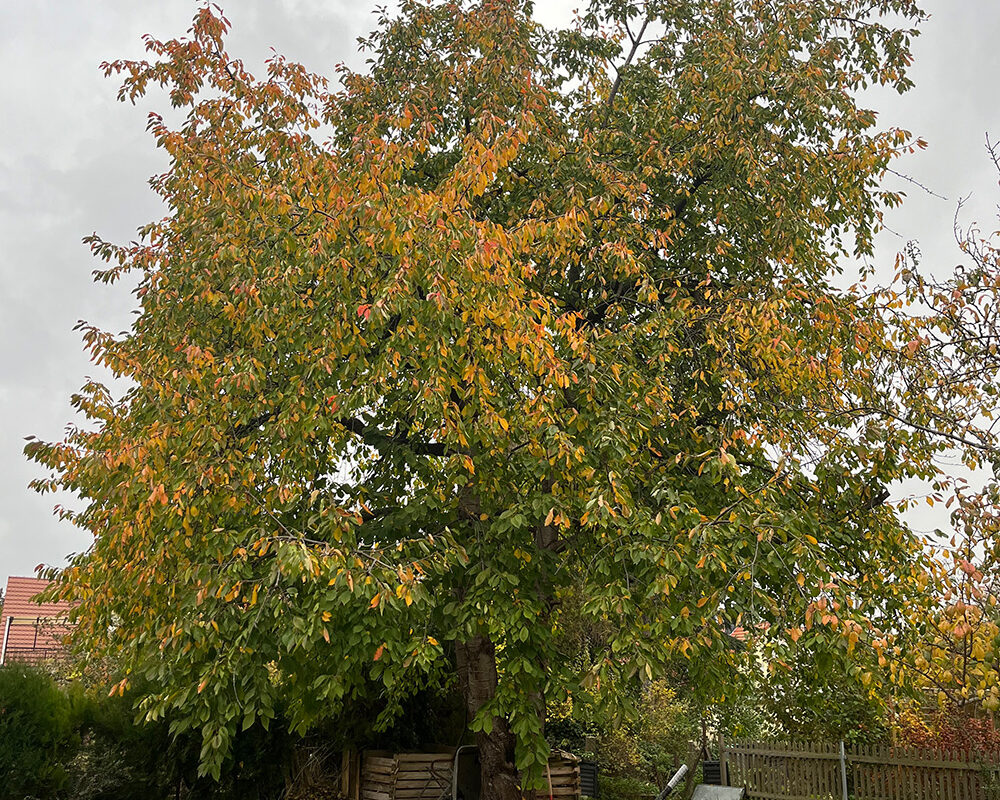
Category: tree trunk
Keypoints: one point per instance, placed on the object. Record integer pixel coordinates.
(546, 539)
(477, 674)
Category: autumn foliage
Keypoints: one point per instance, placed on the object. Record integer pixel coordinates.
(515, 313)
(947, 730)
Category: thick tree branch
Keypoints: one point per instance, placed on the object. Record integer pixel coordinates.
(636, 42)
(373, 437)
(252, 424)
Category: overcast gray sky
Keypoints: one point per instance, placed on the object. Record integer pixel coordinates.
(74, 161)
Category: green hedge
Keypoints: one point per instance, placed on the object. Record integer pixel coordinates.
(36, 734)
(62, 741)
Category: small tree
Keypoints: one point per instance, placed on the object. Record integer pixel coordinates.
(953, 655)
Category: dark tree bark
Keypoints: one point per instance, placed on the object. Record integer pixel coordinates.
(477, 675)
(546, 540)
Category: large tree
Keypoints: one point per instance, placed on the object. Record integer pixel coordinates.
(516, 314)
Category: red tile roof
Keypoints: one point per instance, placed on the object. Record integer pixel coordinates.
(36, 630)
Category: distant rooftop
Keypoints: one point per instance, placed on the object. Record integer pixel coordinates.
(30, 631)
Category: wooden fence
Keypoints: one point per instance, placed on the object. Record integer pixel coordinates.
(823, 771)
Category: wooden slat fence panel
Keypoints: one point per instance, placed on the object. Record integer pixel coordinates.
(406, 776)
(428, 776)
(785, 771)
(564, 773)
(886, 773)
(378, 776)
(812, 771)
(424, 776)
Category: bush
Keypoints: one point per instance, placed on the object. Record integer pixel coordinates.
(634, 755)
(120, 759)
(655, 743)
(666, 727)
(36, 733)
(117, 758)
(616, 788)
(818, 695)
(63, 740)
(67, 742)
(946, 729)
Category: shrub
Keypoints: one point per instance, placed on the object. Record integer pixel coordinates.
(946, 729)
(617, 788)
(122, 759)
(36, 733)
(665, 729)
(635, 754)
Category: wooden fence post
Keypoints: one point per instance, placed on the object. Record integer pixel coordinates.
(346, 772)
(843, 770)
(723, 772)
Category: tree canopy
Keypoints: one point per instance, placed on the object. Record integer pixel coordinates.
(515, 314)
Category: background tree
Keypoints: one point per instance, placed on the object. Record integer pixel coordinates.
(518, 312)
(953, 656)
(821, 694)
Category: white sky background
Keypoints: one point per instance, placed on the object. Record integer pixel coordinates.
(73, 161)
